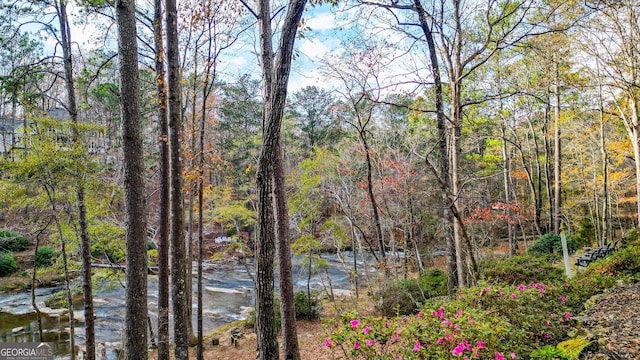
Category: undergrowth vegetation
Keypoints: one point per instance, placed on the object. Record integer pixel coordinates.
(524, 308)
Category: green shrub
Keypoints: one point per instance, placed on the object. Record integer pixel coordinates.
(8, 264)
(521, 270)
(586, 232)
(632, 237)
(11, 241)
(307, 308)
(114, 255)
(548, 352)
(44, 256)
(551, 243)
(405, 296)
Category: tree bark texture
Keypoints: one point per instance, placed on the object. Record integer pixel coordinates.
(134, 186)
(164, 194)
(557, 155)
(178, 251)
(271, 197)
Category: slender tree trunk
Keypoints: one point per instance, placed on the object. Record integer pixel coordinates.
(85, 245)
(283, 245)
(547, 164)
(178, 251)
(606, 207)
(635, 139)
(134, 185)
(275, 75)
(455, 182)
(557, 156)
(164, 180)
(372, 198)
(443, 152)
(200, 345)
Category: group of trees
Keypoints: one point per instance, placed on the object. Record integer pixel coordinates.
(452, 124)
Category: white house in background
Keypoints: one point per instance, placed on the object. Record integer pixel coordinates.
(11, 131)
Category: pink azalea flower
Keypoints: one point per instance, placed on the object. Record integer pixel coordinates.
(416, 347)
(420, 315)
(458, 349)
(447, 337)
(562, 299)
(456, 326)
(458, 314)
(356, 346)
(394, 337)
(499, 356)
(354, 323)
(566, 285)
(442, 308)
(440, 341)
(533, 285)
(522, 288)
(513, 356)
(513, 296)
(480, 345)
(370, 342)
(470, 321)
(446, 322)
(546, 336)
(367, 330)
(567, 315)
(327, 343)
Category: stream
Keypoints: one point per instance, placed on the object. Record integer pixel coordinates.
(228, 296)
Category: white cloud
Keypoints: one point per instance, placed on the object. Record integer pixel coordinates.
(313, 49)
(321, 22)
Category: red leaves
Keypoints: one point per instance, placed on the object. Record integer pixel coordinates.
(498, 211)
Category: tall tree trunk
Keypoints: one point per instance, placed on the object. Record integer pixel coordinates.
(164, 180)
(275, 75)
(200, 347)
(85, 245)
(287, 302)
(178, 251)
(134, 186)
(547, 163)
(606, 207)
(635, 139)
(372, 199)
(455, 154)
(557, 155)
(443, 152)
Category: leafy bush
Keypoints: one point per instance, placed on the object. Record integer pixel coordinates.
(306, 307)
(8, 264)
(405, 296)
(586, 232)
(44, 256)
(11, 241)
(530, 320)
(632, 237)
(551, 243)
(521, 270)
(114, 255)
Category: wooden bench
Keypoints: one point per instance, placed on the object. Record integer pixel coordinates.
(598, 253)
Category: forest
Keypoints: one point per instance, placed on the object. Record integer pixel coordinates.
(453, 145)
